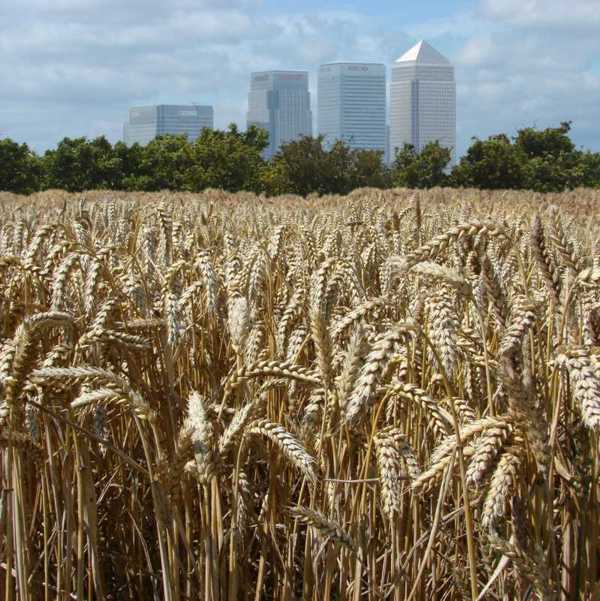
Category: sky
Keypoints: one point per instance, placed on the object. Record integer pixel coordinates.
(74, 67)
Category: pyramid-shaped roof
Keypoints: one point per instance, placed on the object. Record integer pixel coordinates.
(425, 54)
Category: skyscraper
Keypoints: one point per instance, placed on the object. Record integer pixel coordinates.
(279, 102)
(147, 122)
(351, 103)
(422, 100)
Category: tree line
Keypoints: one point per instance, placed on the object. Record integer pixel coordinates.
(543, 160)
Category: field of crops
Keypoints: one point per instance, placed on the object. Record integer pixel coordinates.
(392, 395)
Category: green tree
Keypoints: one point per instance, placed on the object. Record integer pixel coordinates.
(274, 179)
(339, 169)
(130, 161)
(165, 164)
(590, 169)
(79, 164)
(305, 166)
(553, 164)
(20, 169)
(369, 170)
(552, 141)
(553, 174)
(229, 160)
(254, 137)
(493, 164)
(425, 169)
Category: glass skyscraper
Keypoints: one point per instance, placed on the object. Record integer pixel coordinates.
(351, 105)
(279, 102)
(147, 122)
(422, 100)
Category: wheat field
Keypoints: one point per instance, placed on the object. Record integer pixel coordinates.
(391, 395)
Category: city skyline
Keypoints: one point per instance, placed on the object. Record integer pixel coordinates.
(353, 102)
(517, 65)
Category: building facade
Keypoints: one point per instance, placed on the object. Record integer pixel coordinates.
(422, 100)
(279, 102)
(147, 122)
(351, 105)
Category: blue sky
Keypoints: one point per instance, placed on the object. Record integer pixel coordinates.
(73, 67)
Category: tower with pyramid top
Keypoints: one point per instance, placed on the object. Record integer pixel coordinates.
(422, 100)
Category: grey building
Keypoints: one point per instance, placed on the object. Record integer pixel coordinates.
(147, 122)
(279, 102)
(422, 100)
(351, 105)
(388, 158)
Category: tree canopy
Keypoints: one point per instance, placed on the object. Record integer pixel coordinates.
(491, 164)
(79, 164)
(544, 160)
(20, 169)
(305, 166)
(425, 169)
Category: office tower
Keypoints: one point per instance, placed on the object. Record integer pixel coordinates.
(279, 102)
(387, 144)
(351, 103)
(422, 100)
(147, 122)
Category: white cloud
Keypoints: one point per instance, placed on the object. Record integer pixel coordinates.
(73, 67)
(530, 64)
(93, 59)
(543, 13)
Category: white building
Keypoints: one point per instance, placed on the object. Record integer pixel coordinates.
(147, 122)
(422, 100)
(351, 105)
(279, 102)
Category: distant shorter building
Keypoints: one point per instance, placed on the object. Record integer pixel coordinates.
(279, 102)
(147, 122)
(351, 102)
